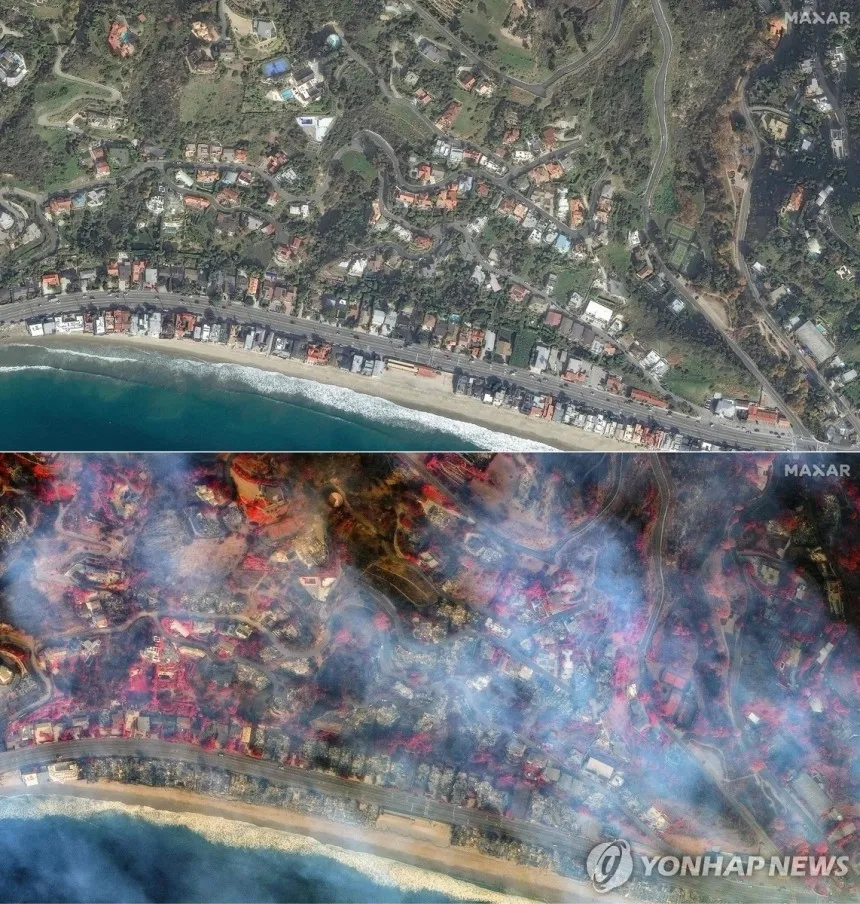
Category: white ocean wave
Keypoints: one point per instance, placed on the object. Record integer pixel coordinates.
(235, 833)
(14, 368)
(351, 402)
(51, 350)
(336, 400)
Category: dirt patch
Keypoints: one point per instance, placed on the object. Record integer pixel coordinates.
(716, 308)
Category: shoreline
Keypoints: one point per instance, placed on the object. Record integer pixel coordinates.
(388, 857)
(426, 395)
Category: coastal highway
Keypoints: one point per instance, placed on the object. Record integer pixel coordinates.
(615, 405)
(392, 801)
(365, 342)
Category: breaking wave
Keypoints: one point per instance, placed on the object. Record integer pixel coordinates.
(335, 401)
(238, 834)
(343, 401)
(68, 351)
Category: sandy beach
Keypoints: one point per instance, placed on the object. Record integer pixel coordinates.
(426, 394)
(388, 857)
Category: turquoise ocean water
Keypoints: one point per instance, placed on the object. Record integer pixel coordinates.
(110, 398)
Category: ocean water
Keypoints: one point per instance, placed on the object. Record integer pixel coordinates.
(114, 857)
(66, 848)
(118, 398)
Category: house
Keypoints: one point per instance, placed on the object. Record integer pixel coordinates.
(518, 293)
(430, 51)
(765, 416)
(541, 359)
(51, 284)
(60, 206)
(195, 202)
(121, 38)
(13, 68)
(263, 29)
(812, 338)
(795, 200)
(646, 398)
(97, 155)
(227, 197)
(577, 213)
(449, 115)
(306, 84)
(467, 80)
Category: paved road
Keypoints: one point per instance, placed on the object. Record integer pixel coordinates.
(691, 299)
(501, 182)
(744, 212)
(5, 30)
(764, 313)
(51, 241)
(660, 106)
(390, 800)
(615, 405)
(538, 89)
(114, 95)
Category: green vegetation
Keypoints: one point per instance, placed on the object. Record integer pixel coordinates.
(356, 162)
(665, 198)
(616, 256)
(819, 292)
(96, 233)
(619, 111)
(24, 153)
(211, 105)
(576, 279)
(625, 217)
(711, 47)
(700, 361)
(522, 350)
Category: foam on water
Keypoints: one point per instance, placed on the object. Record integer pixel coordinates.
(336, 400)
(52, 350)
(351, 402)
(235, 833)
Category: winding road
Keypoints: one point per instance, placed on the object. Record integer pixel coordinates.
(660, 105)
(676, 284)
(538, 89)
(763, 313)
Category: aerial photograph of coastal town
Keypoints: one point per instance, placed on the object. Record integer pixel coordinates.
(429, 440)
(429, 677)
(411, 224)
